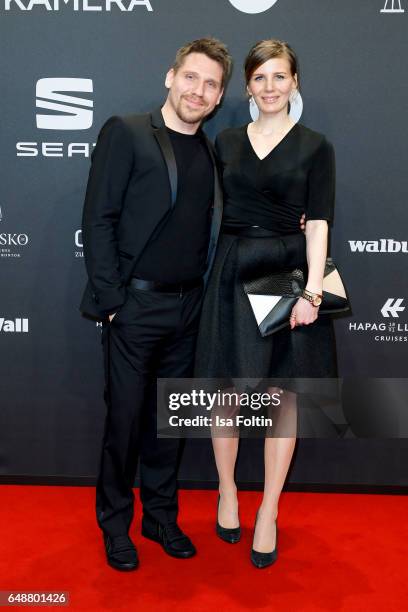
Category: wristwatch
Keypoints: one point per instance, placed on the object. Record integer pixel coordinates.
(314, 298)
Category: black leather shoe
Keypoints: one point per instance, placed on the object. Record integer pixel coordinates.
(174, 542)
(232, 535)
(262, 560)
(121, 553)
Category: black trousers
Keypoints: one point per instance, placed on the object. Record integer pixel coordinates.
(153, 335)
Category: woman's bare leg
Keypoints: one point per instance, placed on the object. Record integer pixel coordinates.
(225, 441)
(278, 455)
(225, 451)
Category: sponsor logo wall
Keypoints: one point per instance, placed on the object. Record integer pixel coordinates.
(81, 61)
(68, 113)
(73, 113)
(77, 5)
(253, 6)
(78, 253)
(11, 243)
(383, 245)
(384, 331)
(14, 326)
(393, 6)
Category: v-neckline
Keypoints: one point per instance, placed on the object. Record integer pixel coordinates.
(273, 149)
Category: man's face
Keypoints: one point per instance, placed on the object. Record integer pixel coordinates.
(196, 88)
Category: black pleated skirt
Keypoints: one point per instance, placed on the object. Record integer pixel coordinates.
(229, 342)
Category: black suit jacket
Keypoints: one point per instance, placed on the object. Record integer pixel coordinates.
(132, 188)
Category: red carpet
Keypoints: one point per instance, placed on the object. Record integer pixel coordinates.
(337, 552)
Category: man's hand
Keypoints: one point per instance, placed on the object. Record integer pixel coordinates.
(111, 316)
(303, 222)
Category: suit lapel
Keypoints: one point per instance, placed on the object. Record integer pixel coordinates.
(163, 139)
(217, 212)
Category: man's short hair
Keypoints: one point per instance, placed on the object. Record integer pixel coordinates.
(212, 48)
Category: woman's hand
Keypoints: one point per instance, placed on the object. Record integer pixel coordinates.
(303, 313)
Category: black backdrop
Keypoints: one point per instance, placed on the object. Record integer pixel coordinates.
(353, 90)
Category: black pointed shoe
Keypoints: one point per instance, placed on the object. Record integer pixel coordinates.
(262, 560)
(121, 553)
(173, 541)
(232, 535)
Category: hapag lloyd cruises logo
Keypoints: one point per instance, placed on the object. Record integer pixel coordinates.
(13, 325)
(75, 113)
(392, 307)
(76, 5)
(382, 331)
(384, 245)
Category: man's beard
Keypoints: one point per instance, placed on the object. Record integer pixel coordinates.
(190, 116)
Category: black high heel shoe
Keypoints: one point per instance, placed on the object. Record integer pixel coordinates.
(260, 559)
(230, 535)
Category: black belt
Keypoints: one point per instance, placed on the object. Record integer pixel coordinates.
(180, 288)
(250, 231)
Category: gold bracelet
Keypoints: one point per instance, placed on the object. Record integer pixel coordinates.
(314, 298)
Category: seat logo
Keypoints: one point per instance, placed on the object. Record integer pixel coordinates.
(70, 112)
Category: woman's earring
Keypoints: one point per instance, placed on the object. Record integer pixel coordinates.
(252, 101)
(293, 96)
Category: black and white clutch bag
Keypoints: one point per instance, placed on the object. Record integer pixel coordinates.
(272, 297)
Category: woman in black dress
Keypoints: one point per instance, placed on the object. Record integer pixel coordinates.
(273, 171)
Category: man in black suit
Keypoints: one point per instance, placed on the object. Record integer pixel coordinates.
(150, 225)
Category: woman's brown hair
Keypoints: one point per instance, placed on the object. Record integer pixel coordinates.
(265, 50)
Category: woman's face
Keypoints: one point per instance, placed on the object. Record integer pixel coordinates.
(271, 85)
